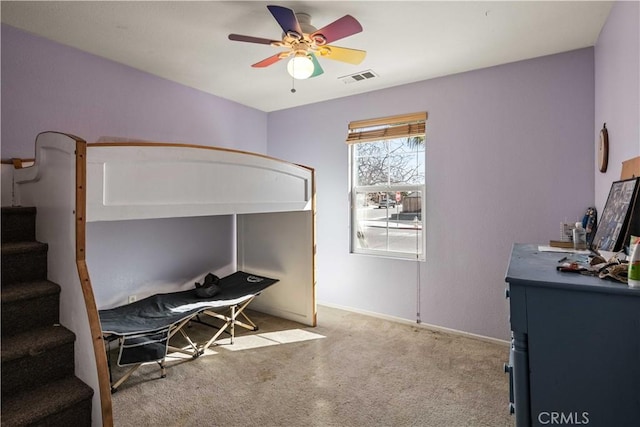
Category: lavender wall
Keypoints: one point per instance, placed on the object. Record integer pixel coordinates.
(509, 156)
(510, 153)
(160, 255)
(617, 91)
(48, 86)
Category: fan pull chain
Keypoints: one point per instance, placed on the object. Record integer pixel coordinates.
(293, 81)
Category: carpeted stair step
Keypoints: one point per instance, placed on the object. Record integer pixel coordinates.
(24, 262)
(37, 354)
(36, 357)
(18, 224)
(63, 403)
(29, 305)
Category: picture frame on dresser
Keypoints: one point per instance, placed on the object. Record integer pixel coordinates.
(619, 217)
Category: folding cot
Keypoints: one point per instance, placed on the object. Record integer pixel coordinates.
(143, 328)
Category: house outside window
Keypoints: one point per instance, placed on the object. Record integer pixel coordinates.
(387, 184)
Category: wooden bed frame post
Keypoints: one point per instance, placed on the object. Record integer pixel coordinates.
(87, 290)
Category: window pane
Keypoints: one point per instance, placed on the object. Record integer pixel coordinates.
(371, 162)
(388, 222)
(395, 161)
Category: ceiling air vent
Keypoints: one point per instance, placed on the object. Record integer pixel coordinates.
(358, 77)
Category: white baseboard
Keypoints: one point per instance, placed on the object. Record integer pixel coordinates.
(421, 325)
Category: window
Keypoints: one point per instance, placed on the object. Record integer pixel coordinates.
(387, 162)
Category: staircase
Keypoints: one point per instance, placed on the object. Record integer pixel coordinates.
(39, 387)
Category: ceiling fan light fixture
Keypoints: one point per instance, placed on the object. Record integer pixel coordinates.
(300, 67)
(304, 44)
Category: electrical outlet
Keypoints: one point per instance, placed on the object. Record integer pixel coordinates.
(132, 298)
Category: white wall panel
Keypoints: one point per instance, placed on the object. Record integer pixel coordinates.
(280, 245)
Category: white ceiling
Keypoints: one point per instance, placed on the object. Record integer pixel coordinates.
(406, 41)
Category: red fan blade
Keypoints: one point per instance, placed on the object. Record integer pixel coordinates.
(339, 29)
(268, 61)
(249, 39)
(286, 18)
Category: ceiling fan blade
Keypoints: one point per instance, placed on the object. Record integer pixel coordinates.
(249, 39)
(352, 56)
(339, 29)
(317, 69)
(286, 18)
(268, 61)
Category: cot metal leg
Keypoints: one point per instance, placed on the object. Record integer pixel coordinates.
(231, 321)
(195, 353)
(217, 334)
(179, 328)
(163, 369)
(163, 374)
(107, 341)
(114, 386)
(251, 326)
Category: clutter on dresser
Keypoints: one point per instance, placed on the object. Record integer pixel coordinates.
(613, 268)
(584, 229)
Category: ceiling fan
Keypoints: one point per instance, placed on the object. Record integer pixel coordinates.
(304, 43)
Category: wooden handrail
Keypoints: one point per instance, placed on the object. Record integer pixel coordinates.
(180, 145)
(17, 163)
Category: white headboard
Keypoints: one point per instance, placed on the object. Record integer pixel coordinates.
(148, 180)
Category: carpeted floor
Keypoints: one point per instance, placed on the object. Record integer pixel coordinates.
(365, 371)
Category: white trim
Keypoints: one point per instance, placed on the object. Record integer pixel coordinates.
(414, 323)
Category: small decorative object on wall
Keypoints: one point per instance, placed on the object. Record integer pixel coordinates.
(603, 149)
(622, 204)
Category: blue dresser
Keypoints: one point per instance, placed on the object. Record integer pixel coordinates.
(575, 352)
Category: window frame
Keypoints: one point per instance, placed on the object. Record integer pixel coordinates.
(354, 190)
(386, 253)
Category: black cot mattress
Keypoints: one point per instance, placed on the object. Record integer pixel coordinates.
(161, 311)
(144, 327)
